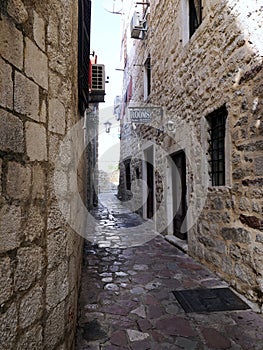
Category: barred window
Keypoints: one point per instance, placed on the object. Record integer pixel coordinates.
(216, 150)
(195, 15)
(147, 77)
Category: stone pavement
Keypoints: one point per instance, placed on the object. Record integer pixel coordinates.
(126, 300)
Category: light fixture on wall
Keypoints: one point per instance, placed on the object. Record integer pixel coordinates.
(107, 126)
(170, 126)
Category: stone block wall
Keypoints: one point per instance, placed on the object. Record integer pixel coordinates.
(40, 255)
(221, 64)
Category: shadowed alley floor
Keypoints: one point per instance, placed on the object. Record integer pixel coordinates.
(127, 300)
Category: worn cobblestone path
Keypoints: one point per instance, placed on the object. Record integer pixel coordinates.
(126, 299)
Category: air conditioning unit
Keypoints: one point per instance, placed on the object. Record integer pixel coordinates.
(97, 92)
(137, 26)
(98, 77)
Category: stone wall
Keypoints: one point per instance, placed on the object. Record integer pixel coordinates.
(220, 65)
(92, 181)
(40, 255)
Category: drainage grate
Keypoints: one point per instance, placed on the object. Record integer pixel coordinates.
(209, 300)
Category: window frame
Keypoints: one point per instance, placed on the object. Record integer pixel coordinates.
(84, 19)
(217, 122)
(147, 77)
(195, 15)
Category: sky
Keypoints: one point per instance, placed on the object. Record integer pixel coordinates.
(106, 42)
(106, 30)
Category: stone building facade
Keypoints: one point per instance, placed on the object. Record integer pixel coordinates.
(200, 63)
(40, 254)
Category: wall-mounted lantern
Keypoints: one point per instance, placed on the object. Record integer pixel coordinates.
(107, 126)
(170, 126)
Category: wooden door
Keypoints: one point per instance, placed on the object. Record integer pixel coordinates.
(179, 193)
(150, 182)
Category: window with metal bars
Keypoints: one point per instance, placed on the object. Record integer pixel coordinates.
(83, 53)
(147, 77)
(195, 15)
(216, 150)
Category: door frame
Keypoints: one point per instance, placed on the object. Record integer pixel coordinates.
(148, 147)
(171, 174)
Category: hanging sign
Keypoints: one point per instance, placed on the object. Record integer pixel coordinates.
(144, 115)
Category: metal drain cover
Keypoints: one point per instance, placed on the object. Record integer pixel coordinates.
(209, 300)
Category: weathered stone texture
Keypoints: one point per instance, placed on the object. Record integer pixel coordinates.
(8, 327)
(6, 88)
(56, 116)
(10, 37)
(38, 182)
(57, 61)
(29, 267)
(54, 147)
(36, 141)
(17, 10)
(31, 307)
(259, 238)
(11, 133)
(52, 32)
(55, 217)
(40, 260)
(43, 112)
(34, 226)
(31, 339)
(54, 330)
(10, 225)
(56, 248)
(36, 64)
(39, 31)
(26, 97)
(259, 166)
(57, 285)
(6, 280)
(18, 181)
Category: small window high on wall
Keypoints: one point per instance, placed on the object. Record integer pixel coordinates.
(195, 15)
(147, 77)
(216, 150)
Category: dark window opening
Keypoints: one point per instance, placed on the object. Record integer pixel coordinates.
(147, 66)
(137, 172)
(195, 15)
(83, 53)
(217, 123)
(128, 174)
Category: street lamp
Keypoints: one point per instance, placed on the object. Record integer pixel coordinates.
(107, 126)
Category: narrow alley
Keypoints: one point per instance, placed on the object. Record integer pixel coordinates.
(162, 102)
(127, 300)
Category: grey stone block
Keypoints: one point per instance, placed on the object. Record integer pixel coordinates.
(10, 226)
(26, 99)
(236, 234)
(11, 133)
(11, 43)
(29, 267)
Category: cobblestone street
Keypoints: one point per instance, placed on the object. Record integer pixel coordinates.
(126, 299)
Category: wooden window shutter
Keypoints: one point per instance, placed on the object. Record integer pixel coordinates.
(83, 53)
